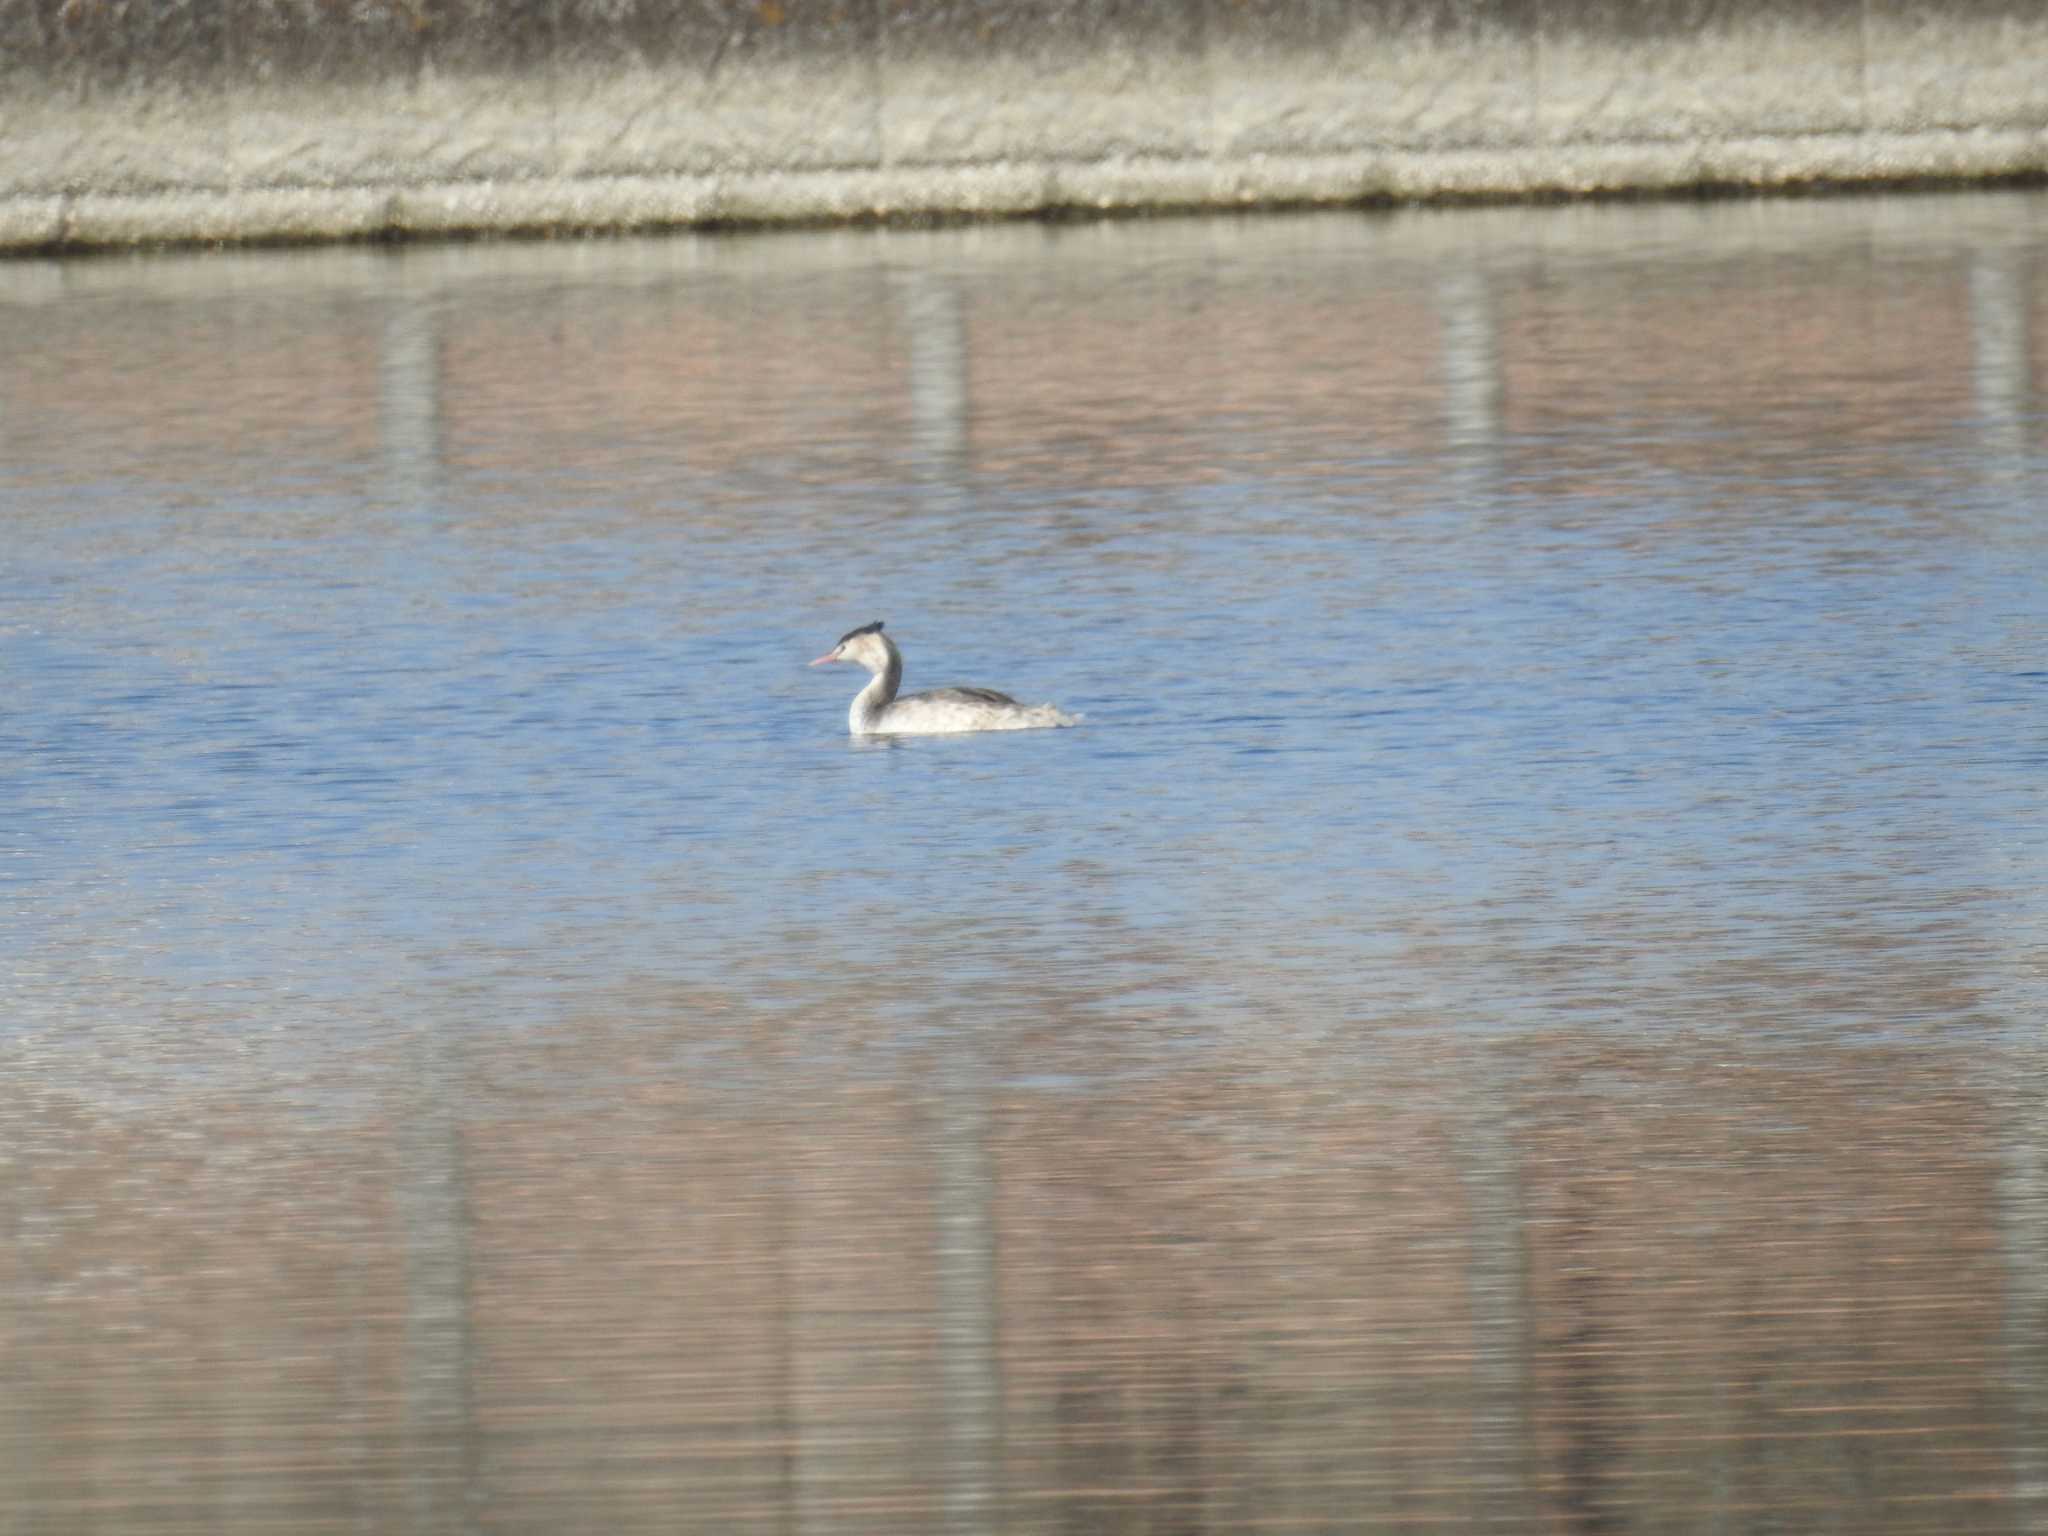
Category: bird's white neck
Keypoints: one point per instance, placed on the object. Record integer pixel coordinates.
(880, 692)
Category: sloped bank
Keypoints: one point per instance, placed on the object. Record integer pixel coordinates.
(233, 120)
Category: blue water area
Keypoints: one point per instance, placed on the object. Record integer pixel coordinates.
(481, 679)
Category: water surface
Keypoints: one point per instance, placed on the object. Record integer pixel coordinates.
(1521, 1003)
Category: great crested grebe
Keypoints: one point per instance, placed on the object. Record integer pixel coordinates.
(878, 712)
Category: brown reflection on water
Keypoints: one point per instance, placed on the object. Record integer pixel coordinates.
(1771, 1291)
(675, 381)
(913, 1292)
(1298, 343)
(200, 1333)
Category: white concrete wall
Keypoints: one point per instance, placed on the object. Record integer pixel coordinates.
(145, 120)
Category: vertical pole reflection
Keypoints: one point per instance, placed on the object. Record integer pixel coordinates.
(27, 1405)
(966, 1264)
(2023, 1200)
(409, 401)
(938, 377)
(1498, 1296)
(783, 1226)
(1998, 337)
(433, 1212)
(432, 1198)
(1472, 389)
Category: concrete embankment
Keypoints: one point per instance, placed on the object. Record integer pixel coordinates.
(125, 121)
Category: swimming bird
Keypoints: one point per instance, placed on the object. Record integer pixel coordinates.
(877, 711)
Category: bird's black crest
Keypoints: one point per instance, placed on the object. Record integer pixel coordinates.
(865, 629)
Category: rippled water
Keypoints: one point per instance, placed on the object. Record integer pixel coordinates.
(1521, 1004)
